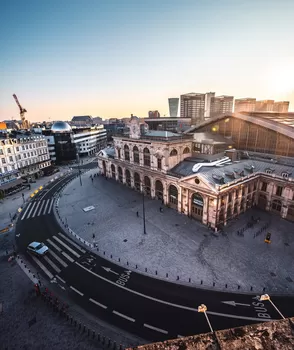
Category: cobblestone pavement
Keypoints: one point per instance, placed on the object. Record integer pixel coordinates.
(178, 246)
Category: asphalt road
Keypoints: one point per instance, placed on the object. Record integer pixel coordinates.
(151, 308)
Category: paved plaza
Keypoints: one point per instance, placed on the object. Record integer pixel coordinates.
(177, 248)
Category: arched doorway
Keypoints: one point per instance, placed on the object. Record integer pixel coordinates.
(262, 200)
(221, 216)
(128, 177)
(197, 206)
(276, 206)
(147, 186)
(104, 167)
(137, 181)
(146, 156)
(290, 213)
(136, 155)
(127, 152)
(158, 190)
(173, 153)
(229, 212)
(120, 174)
(113, 171)
(173, 197)
(186, 150)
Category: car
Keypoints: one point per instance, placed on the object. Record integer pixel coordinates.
(38, 248)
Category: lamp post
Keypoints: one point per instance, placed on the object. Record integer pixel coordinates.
(143, 199)
(78, 160)
(267, 297)
(203, 308)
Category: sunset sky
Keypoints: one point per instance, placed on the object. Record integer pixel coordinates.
(112, 58)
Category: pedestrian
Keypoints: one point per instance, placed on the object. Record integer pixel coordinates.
(92, 179)
(160, 209)
(93, 235)
(137, 214)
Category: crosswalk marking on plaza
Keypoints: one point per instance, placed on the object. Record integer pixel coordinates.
(37, 208)
(54, 245)
(68, 257)
(43, 267)
(50, 262)
(72, 243)
(64, 264)
(66, 246)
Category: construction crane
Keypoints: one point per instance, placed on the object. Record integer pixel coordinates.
(24, 122)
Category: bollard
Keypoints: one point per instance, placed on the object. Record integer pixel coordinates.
(99, 337)
(239, 287)
(103, 340)
(178, 278)
(109, 342)
(127, 263)
(103, 253)
(93, 335)
(166, 275)
(189, 279)
(110, 256)
(118, 259)
(251, 288)
(155, 272)
(145, 269)
(226, 286)
(263, 289)
(21, 261)
(75, 323)
(136, 266)
(201, 282)
(34, 276)
(213, 284)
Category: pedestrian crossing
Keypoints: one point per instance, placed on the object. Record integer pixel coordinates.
(38, 208)
(62, 251)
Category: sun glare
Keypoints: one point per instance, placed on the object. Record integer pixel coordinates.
(281, 79)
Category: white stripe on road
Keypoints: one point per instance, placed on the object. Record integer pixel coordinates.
(41, 207)
(99, 304)
(172, 304)
(54, 245)
(48, 201)
(66, 246)
(24, 214)
(34, 203)
(124, 316)
(68, 257)
(52, 201)
(37, 261)
(57, 258)
(34, 213)
(50, 262)
(72, 243)
(77, 291)
(155, 328)
(60, 279)
(179, 335)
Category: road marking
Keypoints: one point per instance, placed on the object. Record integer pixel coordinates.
(41, 207)
(44, 268)
(155, 328)
(108, 269)
(77, 291)
(47, 202)
(50, 262)
(52, 201)
(57, 258)
(35, 211)
(172, 304)
(71, 242)
(123, 316)
(67, 247)
(99, 304)
(54, 245)
(233, 303)
(68, 257)
(24, 214)
(29, 211)
(60, 279)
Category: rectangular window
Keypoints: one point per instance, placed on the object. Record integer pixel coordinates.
(3, 161)
(10, 159)
(279, 191)
(8, 150)
(17, 149)
(5, 169)
(264, 186)
(159, 163)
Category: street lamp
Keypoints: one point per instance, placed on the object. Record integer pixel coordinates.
(203, 308)
(78, 160)
(143, 199)
(267, 297)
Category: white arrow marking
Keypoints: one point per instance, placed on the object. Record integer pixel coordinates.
(233, 303)
(61, 286)
(53, 280)
(108, 269)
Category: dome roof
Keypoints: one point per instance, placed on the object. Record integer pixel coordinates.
(61, 127)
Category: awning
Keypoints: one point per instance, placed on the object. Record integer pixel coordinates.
(11, 184)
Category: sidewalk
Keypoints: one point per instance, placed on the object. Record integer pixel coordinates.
(176, 246)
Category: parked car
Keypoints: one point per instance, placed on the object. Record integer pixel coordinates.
(37, 248)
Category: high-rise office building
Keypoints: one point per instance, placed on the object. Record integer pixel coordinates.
(281, 106)
(173, 104)
(264, 106)
(193, 106)
(221, 104)
(209, 97)
(245, 105)
(153, 114)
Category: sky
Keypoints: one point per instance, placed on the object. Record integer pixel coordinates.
(112, 58)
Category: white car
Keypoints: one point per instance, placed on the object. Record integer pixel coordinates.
(38, 248)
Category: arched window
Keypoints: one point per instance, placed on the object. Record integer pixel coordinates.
(120, 175)
(118, 152)
(158, 189)
(276, 205)
(127, 152)
(137, 181)
(147, 185)
(186, 150)
(113, 171)
(128, 177)
(173, 153)
(136, 155)
(173, 196)
(146, 156)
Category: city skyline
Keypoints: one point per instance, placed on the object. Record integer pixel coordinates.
(116, 59)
